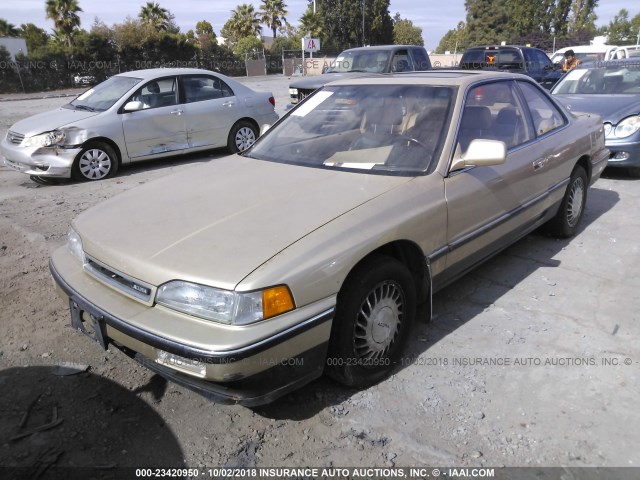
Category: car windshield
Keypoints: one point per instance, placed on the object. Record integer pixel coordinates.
(606, 80)
(360, 61)
(382, 129)
(104, 95)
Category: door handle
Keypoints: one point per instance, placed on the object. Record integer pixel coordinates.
(176, 112)
(228, 104)
(538, 164)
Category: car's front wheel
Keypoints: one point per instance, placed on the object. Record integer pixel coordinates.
(96, 161)
(567, 220)
(242, 135)
(375, 310)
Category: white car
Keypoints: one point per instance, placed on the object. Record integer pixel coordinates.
(138, 115)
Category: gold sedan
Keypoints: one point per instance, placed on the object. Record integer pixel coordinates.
(251, 275)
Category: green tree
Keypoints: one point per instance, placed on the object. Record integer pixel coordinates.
(311, 24)
(356, 22)
(488, 22)
(247, 46)
(582, 17)
(244, 22)
(66, 20)
(405, 32)
(155, 16)
(35, 37)
(7, 29)
(273, 14)
(205, 35)
(455, 40)
(620, 30)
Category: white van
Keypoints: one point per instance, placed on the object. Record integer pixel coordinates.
(585, 53)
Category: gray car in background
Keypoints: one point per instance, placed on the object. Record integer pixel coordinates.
(611, 90)
(138, 115)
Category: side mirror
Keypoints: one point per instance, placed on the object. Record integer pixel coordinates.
(133, 106)
(481, 153)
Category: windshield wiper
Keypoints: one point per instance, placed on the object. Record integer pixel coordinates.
(84, 107)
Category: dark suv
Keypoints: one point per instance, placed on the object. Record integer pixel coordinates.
(513, 58)
(363, 62)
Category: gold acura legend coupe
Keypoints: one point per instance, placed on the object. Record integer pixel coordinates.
(253, 274)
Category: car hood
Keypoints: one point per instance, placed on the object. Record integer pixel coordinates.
(612, 108)
(216, 223)
(316, 81)
(47, 121)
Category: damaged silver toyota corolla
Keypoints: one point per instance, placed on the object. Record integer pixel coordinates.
(139, 115)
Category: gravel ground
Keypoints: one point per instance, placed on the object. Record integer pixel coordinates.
(530, 360)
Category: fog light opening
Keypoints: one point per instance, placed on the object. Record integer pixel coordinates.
(621, 156)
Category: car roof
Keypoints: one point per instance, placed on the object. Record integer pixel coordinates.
(433, 77)
(150, 73)
(626, 62)
(499, 47)
(380, 47)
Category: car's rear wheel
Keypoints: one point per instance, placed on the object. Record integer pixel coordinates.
(96, 161)
(375, 311)
(242, 135)
(567, 220)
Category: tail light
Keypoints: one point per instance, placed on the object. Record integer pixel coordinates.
(272, 101)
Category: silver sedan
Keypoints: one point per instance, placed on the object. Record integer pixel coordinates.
(138, 115)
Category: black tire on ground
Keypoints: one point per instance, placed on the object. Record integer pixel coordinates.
(96, 161)
(242, 135)
(567, 220)
(374, 313)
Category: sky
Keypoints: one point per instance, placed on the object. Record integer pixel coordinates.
(433, 16)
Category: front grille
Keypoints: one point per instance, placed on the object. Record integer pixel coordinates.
(15, 137)
(302, 94)
(119, 281)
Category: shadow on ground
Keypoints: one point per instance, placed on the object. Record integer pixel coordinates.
(56, 422)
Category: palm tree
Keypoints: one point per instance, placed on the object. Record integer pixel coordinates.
(273, 12)
(64, 14)
(311, 23)
(155, 16)
(7, 29)
(245, 22)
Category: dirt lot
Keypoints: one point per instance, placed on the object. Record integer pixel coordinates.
(531, 360)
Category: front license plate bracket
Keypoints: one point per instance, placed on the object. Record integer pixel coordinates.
(94, 328)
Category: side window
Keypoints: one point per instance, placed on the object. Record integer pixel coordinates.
(199, 88)
(530, 60)
(544, 114)
(401, 62)
(493, 111)
(157, 93)
(420, 59)
(543, 59)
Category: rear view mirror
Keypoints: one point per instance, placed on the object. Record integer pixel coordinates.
(133, 106)
(481, 153)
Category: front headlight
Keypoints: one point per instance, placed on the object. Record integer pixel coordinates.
(627, 127)
(49, 139)
(225, 306)
(293, 92)
(74, 243)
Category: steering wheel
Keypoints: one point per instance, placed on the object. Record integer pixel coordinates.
(411, 141)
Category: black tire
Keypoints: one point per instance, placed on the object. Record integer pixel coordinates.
(242, 135)
(96, 161)
(567, 220)
(374, 313)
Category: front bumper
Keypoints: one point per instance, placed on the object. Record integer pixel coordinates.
(623, 154)
(253, 374)
(40, 161)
